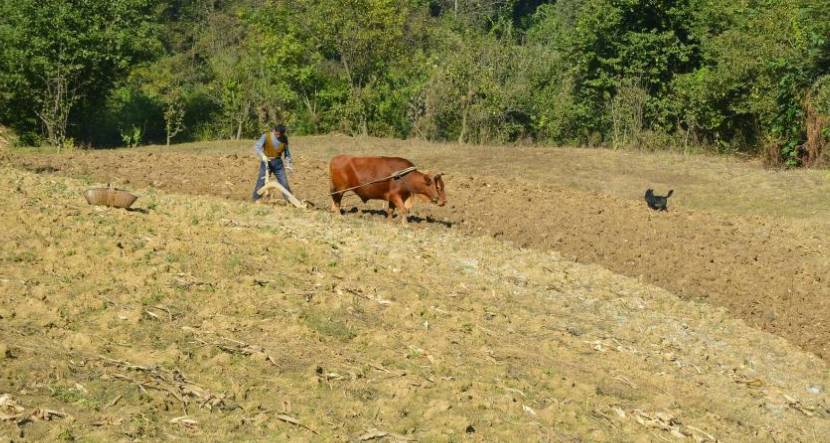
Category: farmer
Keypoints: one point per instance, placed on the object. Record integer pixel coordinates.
(270, 150)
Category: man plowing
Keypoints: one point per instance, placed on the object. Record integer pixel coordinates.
(275, 157)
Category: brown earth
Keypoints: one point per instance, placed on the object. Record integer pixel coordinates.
(751, 240)
(199, 318)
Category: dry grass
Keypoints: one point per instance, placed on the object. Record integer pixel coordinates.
(215, 320)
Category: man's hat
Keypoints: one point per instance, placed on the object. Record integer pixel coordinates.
(279, 128)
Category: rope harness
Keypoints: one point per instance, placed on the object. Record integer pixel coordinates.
(395, 175)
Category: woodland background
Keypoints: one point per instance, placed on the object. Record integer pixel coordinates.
(743, 76)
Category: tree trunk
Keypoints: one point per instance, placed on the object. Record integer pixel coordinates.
(466, 101)
(463, 133)
(345, 62)
(58, 100)
(312, 112)
(173, 119)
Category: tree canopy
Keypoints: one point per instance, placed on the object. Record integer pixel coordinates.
(655, 74)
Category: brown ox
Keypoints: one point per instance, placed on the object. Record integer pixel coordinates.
(349, 172)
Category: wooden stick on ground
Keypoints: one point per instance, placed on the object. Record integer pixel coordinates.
(274, 184)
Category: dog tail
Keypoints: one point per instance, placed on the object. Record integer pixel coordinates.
(671, 191)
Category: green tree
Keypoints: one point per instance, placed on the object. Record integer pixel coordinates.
(759, 60)
(363, 38)
(604, 41)
(59, 59)
(481, 87)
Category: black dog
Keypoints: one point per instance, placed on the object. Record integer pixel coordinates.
(657, 202)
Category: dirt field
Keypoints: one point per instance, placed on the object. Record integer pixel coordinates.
(216, 320)
(751, 240)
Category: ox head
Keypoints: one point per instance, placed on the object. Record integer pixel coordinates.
(432, 187)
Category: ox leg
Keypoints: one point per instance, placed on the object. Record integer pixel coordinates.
(390, 210)
(403, 213)
(335, 203)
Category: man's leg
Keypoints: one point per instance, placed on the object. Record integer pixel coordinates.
(260, 181)
(279, 171)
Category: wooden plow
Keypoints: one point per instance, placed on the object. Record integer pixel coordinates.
(272, 186)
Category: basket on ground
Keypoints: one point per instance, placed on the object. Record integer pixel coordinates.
(116, 198)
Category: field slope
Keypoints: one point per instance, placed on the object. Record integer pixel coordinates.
(751, 240)
(214, 319)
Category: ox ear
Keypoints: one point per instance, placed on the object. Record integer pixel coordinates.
(437, 176)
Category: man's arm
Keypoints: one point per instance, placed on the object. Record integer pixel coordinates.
(287, 154)
(258, 148)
